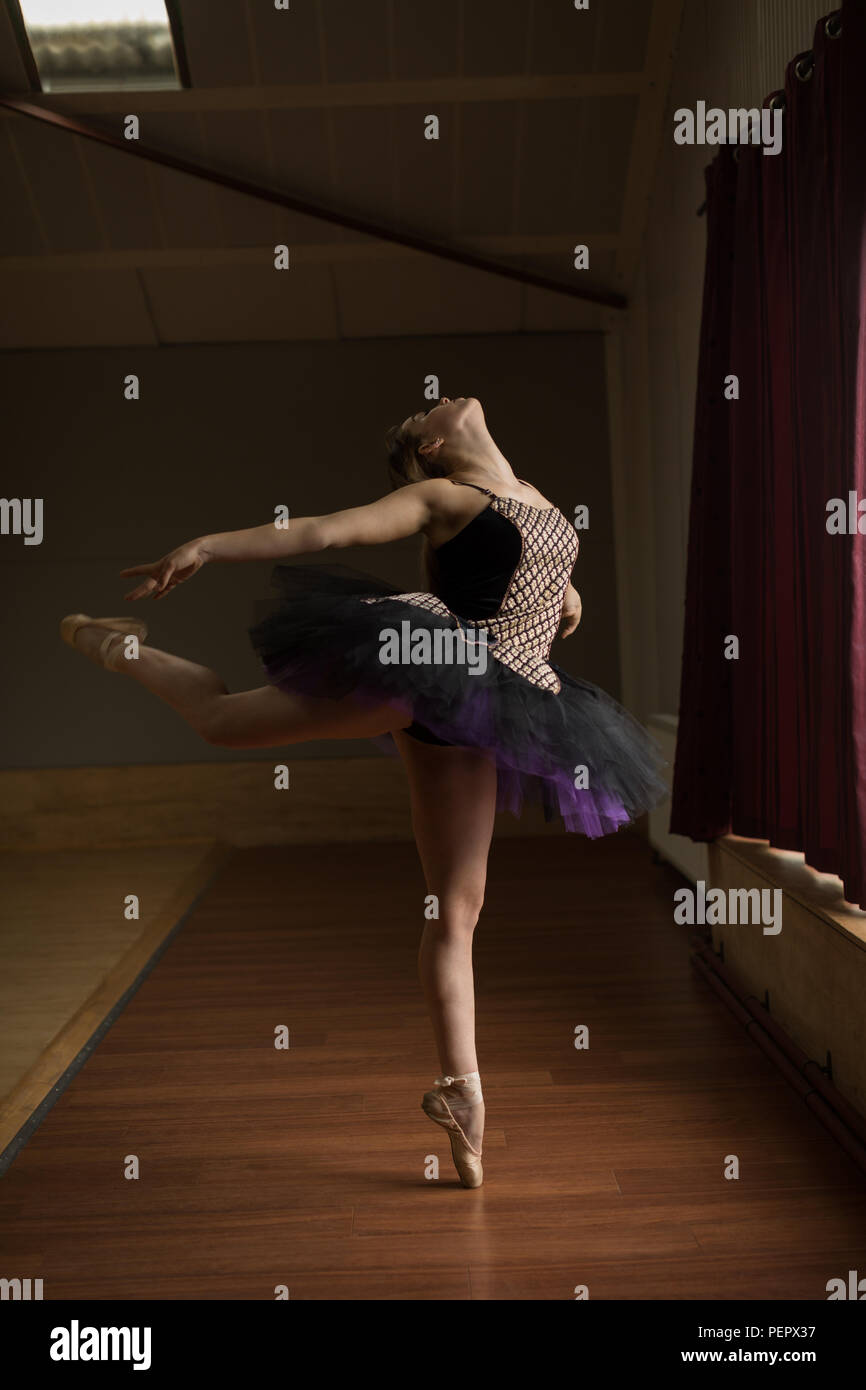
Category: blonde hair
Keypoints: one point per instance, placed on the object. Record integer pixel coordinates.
(405, 463)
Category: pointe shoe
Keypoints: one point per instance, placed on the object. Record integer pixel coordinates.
(467, 1159)
(115, 627)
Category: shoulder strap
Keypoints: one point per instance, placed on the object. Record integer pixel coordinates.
(458, 482)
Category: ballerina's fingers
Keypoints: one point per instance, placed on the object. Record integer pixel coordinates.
(166, 582)
(144, 590)
(152, 585)
(177, 576)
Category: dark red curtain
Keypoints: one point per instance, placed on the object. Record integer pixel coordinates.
(772, 744)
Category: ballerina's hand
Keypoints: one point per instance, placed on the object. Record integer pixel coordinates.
(572, 610)
(164, 575)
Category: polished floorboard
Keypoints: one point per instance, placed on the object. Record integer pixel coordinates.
(306, 1167)
(71, 944)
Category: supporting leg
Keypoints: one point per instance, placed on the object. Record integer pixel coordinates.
(453, 796)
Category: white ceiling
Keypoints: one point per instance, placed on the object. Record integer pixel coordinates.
(550, 122)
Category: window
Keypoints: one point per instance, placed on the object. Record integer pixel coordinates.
(91, 45)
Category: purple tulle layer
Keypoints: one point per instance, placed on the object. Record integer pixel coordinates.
(576, 754)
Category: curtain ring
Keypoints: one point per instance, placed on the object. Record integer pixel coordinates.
(804, 67)
(777, 102)
(833, 26)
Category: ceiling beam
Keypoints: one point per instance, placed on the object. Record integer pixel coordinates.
(648, 134)
(311, 253)
(136, 149)
(336, 94)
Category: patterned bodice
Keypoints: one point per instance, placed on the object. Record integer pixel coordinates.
(523, 629)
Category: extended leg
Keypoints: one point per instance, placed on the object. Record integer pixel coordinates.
(261, 718)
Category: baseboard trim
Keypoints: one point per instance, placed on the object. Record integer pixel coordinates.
(801, 1072)
(811, 976)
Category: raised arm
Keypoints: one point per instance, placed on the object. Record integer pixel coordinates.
(402, 513)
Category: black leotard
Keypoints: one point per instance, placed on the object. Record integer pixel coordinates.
(472, 572)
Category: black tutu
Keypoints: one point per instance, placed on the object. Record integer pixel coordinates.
(577, 753)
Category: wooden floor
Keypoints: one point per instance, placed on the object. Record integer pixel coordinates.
(68, 950)
(305, 1167)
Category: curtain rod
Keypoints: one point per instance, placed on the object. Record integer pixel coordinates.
(73, 126)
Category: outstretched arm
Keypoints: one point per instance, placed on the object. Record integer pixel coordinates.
(401, 513)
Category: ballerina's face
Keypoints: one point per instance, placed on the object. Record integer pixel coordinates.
(443, 420)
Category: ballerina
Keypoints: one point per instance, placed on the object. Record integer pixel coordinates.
(474, 737)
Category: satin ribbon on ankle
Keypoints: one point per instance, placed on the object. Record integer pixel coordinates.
(473, 1094)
